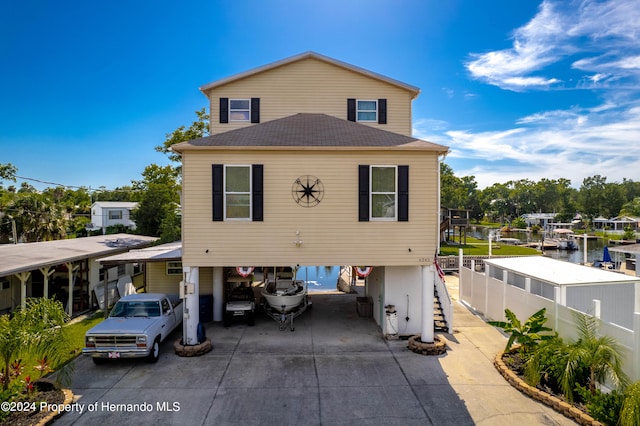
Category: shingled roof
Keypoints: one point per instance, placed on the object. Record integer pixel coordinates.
(309, 131)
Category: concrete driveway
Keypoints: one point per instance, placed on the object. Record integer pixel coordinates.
(335, 369)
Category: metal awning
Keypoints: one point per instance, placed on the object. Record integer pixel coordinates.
(160, 253)
(16, 258)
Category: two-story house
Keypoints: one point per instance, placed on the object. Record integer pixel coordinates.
(312, 121)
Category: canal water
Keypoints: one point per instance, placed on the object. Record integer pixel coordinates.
(595, 246)
(320, 278)
(324, 278)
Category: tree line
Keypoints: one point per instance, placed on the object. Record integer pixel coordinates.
(503, 202)
(29, 215)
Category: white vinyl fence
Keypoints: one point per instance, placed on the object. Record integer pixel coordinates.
(614, 305)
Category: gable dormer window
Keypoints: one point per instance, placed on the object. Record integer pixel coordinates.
(239, 109)
(367, 111)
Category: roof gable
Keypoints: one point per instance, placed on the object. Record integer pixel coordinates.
(116, 204)
(414, 91)
(309, 131)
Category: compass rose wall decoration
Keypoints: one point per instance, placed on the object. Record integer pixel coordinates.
(307, 191)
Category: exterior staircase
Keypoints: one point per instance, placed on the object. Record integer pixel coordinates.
(439, 320)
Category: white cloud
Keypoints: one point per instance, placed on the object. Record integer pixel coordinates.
(601, 37)
(535, 45)
(582, 44)
(572, 144)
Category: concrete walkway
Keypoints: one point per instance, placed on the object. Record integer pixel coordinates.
(335, 369)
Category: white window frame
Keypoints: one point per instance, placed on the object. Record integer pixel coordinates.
(358, 110)
(174, 268)
(372, 193)
(224, 186)
(247, 110)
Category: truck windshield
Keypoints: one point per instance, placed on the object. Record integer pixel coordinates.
(136, 309)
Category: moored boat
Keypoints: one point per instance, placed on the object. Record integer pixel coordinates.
(564, 239)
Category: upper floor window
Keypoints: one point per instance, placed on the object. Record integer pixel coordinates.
(239, 109)
(115, 214)
(367, 110)
(237, 192)
(247, 110)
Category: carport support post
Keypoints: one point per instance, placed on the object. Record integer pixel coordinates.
(24, 277)
(191, 306)
(428, 274)
(71, 268)
(218, 290)
(47, 271)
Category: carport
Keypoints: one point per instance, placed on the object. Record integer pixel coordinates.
(158, 260)
(69, 266)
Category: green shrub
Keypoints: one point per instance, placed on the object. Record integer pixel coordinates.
(590, 360)
(604, 407)
(630, 411)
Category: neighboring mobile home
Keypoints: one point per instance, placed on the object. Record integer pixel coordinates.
(311, 162)
(111, 213)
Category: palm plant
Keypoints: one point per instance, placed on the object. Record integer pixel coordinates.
(600, 354)
(590, 360)
(35, 329)
(527, 334)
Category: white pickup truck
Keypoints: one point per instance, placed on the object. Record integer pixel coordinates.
(136, 326)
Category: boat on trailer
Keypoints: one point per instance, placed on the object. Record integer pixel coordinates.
(284, 295)
(285, 298)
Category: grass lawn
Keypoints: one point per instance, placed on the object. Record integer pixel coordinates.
(476, 247)
(76, 332)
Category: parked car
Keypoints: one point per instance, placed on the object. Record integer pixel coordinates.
(136, 326)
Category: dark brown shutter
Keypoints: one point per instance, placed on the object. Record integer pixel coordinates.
(257, 201)
(217, 182)
(224, 110)
(255, 110)
(403, 193)
(363, 193)
(382, 111)
(351, 109)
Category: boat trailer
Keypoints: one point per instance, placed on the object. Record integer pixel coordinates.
(284, 318)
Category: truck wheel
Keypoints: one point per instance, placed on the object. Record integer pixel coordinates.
(99, 361)
(251, 318)
(155, 351)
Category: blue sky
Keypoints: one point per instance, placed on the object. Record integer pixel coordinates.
(516, 89)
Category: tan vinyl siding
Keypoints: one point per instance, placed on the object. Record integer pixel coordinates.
(159, 282)
(312, 86)
(330, 232)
